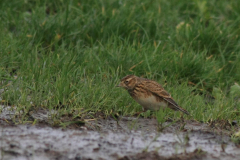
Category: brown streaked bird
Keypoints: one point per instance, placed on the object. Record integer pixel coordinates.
(149, 94)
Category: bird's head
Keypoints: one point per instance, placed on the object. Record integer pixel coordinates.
(128, 82)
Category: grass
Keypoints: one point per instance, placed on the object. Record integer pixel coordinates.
(69, 55)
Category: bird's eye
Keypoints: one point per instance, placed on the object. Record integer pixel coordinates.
(126, 82)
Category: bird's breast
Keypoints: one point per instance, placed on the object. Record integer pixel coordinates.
(151, 102)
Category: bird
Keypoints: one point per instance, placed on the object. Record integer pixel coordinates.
(149, 94)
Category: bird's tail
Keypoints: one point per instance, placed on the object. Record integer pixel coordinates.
(182, 110)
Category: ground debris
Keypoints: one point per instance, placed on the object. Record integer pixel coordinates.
(197, 154)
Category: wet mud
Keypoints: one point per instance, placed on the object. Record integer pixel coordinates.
(126, 139)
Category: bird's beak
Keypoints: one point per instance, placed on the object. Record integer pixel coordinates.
(119, 85)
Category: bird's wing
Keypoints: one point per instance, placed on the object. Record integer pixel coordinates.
(159, 91)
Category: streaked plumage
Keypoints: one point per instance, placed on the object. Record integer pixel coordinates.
(149, 94)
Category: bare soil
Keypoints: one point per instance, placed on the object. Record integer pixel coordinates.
(127, 138)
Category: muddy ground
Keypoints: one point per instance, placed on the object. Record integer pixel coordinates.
(128, 139)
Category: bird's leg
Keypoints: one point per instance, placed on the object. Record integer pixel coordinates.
(138, 113)
(181, 118)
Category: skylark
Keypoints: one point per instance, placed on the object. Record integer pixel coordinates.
(149, 94)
